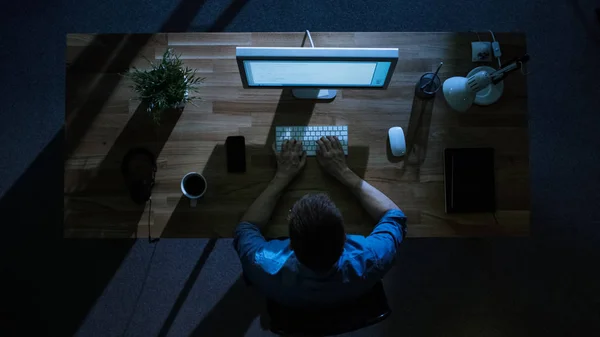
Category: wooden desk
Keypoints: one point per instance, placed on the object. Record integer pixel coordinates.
(102, 123)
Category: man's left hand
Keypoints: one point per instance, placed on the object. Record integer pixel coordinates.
(290, 160)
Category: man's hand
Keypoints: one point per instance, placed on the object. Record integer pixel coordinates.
(331, 156)
(291, 160)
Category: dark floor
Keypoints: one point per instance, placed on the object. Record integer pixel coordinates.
(546, 285)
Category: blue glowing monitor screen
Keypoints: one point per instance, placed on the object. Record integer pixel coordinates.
(316, 73)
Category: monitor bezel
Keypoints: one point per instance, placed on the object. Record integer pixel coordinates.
(241, 58)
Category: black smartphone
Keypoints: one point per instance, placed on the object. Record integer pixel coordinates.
(236, 154)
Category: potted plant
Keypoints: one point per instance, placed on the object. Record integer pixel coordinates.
(165, 85)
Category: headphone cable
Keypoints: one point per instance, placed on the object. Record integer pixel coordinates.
(150, 240)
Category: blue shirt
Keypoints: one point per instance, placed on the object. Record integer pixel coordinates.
(272, 267)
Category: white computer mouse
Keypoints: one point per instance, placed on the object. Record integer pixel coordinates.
(397, 142)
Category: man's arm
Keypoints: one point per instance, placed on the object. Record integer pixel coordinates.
(290, 161)
(374, 201)
(331, 157)
(383, 242)
(261, 209)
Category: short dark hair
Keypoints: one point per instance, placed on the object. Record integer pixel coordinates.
(317, 233)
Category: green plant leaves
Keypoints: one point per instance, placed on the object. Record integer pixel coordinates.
(165, 85)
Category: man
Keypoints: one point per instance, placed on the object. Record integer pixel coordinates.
(319, 263)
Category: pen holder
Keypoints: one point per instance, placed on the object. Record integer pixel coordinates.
(427, 85)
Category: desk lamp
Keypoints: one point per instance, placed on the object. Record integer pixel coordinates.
(482, 86)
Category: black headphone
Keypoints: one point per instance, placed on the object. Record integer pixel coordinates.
(140, 189)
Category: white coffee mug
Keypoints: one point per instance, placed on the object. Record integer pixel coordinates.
(193, 186)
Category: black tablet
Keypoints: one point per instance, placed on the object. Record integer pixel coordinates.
(469, 180)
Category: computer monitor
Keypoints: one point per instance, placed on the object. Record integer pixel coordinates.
(314, 73)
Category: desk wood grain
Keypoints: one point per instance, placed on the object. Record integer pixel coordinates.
(102, 122)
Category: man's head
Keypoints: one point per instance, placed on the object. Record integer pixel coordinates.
(316, 231)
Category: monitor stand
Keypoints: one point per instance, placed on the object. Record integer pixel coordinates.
(319, 94)
(314, 94)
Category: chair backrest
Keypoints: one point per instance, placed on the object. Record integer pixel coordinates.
(358, 313)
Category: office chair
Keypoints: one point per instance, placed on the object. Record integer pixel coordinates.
(369, 309)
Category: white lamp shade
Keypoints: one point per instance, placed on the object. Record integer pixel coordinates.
(457, 93)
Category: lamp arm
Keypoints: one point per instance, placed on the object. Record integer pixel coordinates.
(513, 65)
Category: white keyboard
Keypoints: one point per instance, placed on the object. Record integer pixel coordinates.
(309, 136)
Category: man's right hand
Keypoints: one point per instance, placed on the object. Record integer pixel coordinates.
(330, 156)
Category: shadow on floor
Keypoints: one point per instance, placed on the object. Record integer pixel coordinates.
(590, 20)
(81, 267)
(234, 313)
(29, 225)
(41, 270)
(227, 16)
(181, 18)
(187, 287)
